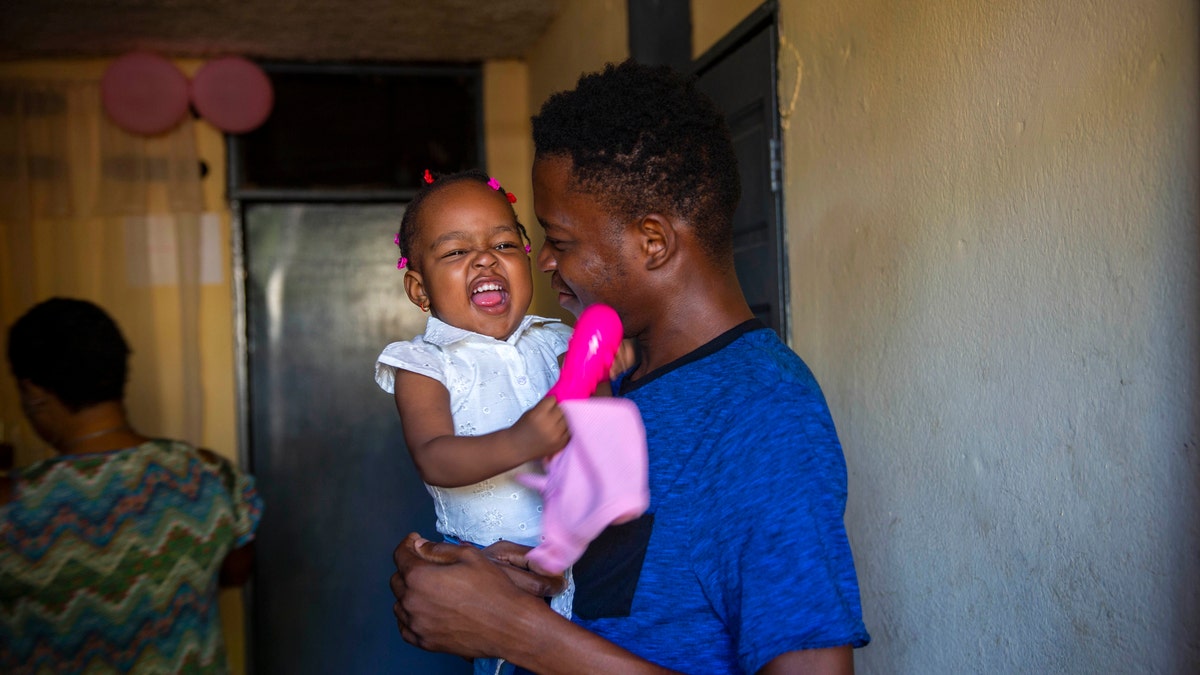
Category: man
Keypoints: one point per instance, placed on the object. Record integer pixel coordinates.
(741, 563)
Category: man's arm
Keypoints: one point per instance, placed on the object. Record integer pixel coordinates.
(453, 599)
(832, 661)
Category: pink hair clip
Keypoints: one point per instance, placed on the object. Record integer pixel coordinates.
(528, 248)
(401, 263)
(397, 239)
(493, 183)
(428, 176)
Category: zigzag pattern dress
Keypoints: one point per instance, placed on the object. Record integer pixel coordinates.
(109, 562)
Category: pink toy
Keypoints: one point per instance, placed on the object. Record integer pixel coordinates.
(601, 476)
(590, 353)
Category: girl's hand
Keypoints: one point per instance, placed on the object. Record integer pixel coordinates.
(542, 429)
(625, 359)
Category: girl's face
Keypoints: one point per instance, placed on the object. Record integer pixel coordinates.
(471, 266)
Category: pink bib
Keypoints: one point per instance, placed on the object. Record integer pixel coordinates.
(599, 478)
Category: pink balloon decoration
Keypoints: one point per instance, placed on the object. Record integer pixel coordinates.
(144, 93)
(232, 93)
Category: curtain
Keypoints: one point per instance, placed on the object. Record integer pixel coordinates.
(90, 211)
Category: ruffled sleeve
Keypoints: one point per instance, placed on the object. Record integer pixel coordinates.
(551, 333)
(416, 356)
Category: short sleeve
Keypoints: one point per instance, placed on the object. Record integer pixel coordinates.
(246, 503)
(552, 336)
(784, 578)
(247, 508)
(415, 356)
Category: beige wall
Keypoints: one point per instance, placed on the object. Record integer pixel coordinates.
(215, 318)
(216, 347)
(992, 221)
(582, 38)
(585, 36)
(712, 19)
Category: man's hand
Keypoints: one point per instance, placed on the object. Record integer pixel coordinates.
(625, 358)
(511, 560)
(456, 599)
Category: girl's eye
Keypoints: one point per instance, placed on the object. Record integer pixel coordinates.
(505, 245)
(450, 254)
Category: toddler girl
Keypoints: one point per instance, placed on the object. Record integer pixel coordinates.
(471, 390)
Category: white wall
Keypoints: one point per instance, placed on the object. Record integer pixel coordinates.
(992, 212)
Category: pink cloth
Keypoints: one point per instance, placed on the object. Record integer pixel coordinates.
(599, 478)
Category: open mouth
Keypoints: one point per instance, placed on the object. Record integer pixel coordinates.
(488, 294)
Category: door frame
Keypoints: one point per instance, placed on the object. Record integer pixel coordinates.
(240, 198)
(764, 18)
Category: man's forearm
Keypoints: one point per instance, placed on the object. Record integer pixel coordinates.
(552, 645)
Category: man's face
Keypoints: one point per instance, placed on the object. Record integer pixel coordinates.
(584, 251)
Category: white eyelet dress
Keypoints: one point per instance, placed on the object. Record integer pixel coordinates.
(491, 384)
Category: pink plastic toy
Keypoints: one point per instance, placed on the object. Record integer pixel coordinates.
(590, 353)
(601, 476)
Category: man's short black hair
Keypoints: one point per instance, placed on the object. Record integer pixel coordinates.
(71, 348)
(644, 139)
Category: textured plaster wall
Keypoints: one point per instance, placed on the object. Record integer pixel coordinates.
(992, 214)
(713, 19)
(581, 39)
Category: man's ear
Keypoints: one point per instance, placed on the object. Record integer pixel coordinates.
(659, 240)
(414, 286)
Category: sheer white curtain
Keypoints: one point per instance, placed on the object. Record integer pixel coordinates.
(88, 210)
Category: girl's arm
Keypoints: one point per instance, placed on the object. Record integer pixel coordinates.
(446, 460)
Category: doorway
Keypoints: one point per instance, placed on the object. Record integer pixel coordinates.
(739, 73)
(323, 297)
(318, 193)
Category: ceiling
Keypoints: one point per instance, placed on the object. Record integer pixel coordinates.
(294, 30)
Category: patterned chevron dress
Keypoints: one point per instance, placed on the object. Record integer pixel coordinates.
(109, 561)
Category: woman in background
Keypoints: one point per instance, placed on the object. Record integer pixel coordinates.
(111, 554)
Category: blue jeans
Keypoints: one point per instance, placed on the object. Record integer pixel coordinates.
(492, 666)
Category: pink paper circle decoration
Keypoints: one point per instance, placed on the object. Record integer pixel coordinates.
(232, 93)
(144, 93)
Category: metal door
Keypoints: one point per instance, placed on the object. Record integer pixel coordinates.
(739, 74)
(323, 297)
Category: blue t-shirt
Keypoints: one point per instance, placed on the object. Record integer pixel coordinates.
(743, 554)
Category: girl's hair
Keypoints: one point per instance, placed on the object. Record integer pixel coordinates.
(433, 183)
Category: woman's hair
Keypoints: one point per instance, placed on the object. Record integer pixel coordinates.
(433, 183)
(644, 139)
(71, 348)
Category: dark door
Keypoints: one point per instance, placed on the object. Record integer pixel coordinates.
(739, 74)
(323, 297)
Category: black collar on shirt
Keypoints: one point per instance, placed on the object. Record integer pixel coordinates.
(625, 385)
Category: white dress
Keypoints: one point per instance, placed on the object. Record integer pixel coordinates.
(491, 383)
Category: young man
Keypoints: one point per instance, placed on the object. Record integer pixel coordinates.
(741, 563)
